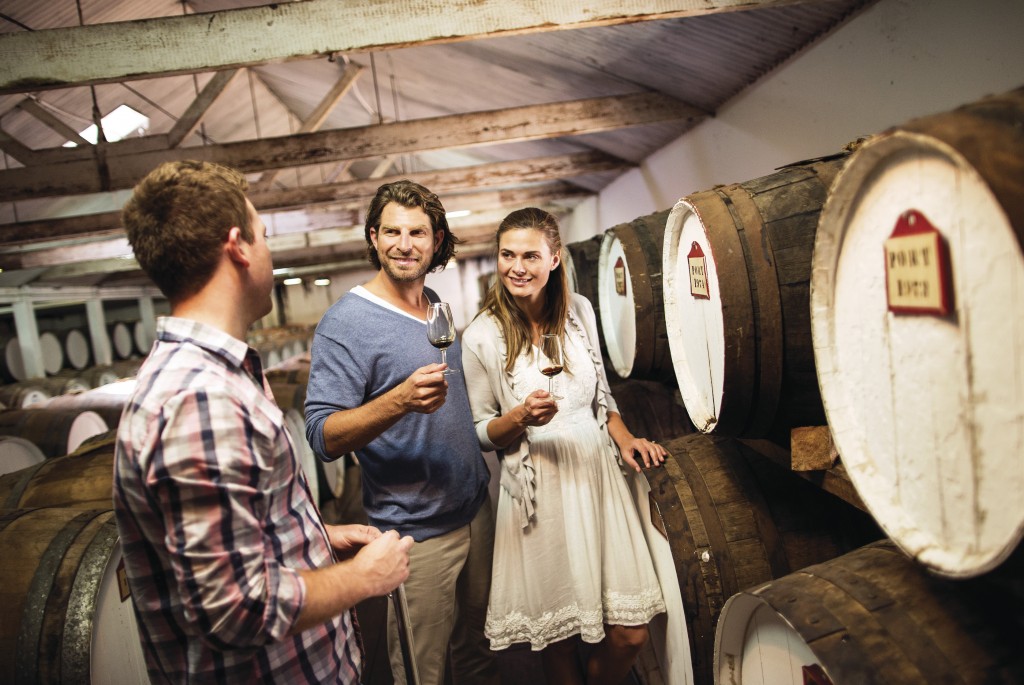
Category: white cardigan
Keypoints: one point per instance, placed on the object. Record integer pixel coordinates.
(491, 395)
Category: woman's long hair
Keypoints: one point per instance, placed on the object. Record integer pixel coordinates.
(512, 321)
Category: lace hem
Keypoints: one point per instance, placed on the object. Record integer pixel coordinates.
(553, 626)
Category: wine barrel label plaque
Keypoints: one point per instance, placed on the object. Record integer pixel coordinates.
(698, 272)
(917, 267)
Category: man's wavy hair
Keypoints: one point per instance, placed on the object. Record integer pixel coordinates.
(409, 194)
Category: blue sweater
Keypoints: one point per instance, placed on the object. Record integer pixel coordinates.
(425, 475)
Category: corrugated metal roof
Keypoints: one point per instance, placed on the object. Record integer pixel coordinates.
(702, 61)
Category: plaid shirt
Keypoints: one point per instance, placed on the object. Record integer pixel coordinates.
(216, 517)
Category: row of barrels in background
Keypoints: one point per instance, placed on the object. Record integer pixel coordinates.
(877, 293)
(71, 350)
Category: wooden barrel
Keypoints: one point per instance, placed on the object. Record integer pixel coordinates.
(296, 427)
(17, 454)
(76, 348)
(83, 479)
(737, 269)
(650, 409)
(870, 616)
(142, 338)
(120, 340)
(23, 394)
(67, 614)
(14, 365)
(288, 395)
(584, 256)
(918, 332)
(720, 518)
(62, 384)
(55, 432)
(102, 374)
(108, 401)
(53, 352)
(630, 299)
(294, 370)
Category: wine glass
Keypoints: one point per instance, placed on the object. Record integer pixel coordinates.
(441, 330)
(549, 359)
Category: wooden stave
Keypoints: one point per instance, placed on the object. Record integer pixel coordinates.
(985, 135)
(703, 472)
(641, 240)
(770, 381)
(874, 616)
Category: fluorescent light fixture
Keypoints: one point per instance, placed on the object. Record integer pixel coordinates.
(282, 271)
(322, 281)
(120, 123)
(458, 213)
(292, 281)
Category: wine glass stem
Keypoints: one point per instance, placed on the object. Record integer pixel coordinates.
(444, 356)
(551, 381)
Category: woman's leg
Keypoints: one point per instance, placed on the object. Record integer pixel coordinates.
(560, 664)
(614, 655)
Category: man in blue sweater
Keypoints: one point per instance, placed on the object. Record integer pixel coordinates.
(376, 389)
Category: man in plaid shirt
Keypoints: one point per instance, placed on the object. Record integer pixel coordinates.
(234, 576)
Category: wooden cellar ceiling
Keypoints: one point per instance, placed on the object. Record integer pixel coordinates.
(494, 104)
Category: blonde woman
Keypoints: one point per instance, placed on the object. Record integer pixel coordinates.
(570, 557)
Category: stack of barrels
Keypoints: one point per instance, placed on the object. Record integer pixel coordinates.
(875, 294)
(68, 615)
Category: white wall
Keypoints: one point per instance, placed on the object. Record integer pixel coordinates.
(897, 60)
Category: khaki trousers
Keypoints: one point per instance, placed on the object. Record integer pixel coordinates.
(447, 591)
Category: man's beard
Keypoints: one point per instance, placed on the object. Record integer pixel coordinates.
(403, 275)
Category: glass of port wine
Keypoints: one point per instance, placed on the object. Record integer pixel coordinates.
(441, 330)
(549, 359)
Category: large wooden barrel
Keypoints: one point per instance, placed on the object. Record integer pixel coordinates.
(67, 614)
(142, 338)
(23, 394)
(17, 454)
(55, 432)
(737, 266)
(50, 349)
(630, 299)
(584, 256)
(918, 329)
(108, 400)
(650, 409)
(872, 616)
(121, 343)
(296, 427)
(720, 518)
(76, 348)
(83, 479)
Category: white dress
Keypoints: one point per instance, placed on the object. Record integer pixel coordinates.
(583, 561)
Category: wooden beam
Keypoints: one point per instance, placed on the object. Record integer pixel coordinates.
(121, 51)
(48, 118)
(307, 228)
(350, 195)
(535, 122)
(316, 118)
(188, 122)
(17, 150)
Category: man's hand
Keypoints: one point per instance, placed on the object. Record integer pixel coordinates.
(383, 564)
(425, 390)
(346, 540)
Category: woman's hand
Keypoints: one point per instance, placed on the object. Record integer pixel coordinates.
(650, 452)
(537, 410)
(347, 540)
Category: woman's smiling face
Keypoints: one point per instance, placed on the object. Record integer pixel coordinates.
(525, 263)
